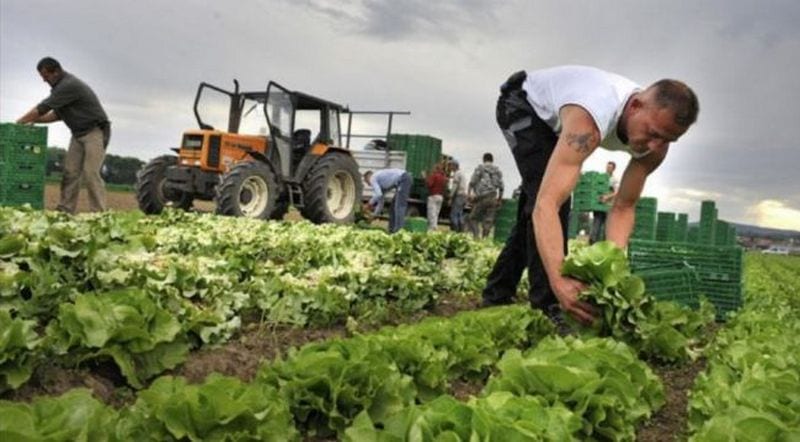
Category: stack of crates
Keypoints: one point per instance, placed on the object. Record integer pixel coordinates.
(23, 163)
(719, 268)
(708, 222)
(681, 228)
(586, 196)
(422, 151)
(665, 226)
(721, 233)
(422, 154)
(645, 224)
(505, 219)
(693, 234)
(731, 235)
(672, 282)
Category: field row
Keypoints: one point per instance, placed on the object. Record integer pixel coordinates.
(144, 291)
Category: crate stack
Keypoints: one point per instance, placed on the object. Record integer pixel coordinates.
(721, 233)
(23, 163)
(681, 228)
(665, 226)
(505, 219)
(422, 154)
(645, 224)
(719, 268)
(693, 234)
(586, 196)
(672, 282)
(731, 241)
(708, 222)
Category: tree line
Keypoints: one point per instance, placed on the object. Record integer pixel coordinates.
(116, 169)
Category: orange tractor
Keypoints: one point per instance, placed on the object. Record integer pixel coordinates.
(293, 160)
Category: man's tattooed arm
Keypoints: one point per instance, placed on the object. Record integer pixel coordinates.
(582, 142)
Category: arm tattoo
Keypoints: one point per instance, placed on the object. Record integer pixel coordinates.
(582, 143)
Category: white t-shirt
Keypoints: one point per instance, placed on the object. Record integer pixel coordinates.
(613, 183)
(602, 94)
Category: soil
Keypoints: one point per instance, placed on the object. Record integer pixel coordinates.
(115, 200)
(240, 357)
(669, 423)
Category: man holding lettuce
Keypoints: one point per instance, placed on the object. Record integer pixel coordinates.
(553, 120)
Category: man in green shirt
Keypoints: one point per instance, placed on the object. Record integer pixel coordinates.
(72, 101)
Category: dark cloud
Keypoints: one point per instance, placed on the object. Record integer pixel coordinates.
(408, 19)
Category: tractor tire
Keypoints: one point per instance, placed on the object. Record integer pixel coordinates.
(250, 189)
(281, 207)
(150, 192)
(332, 190)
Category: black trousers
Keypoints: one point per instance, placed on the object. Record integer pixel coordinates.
(532, 142)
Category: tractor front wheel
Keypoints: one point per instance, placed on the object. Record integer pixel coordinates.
(250, 189)
(152, 191)
(332, 190)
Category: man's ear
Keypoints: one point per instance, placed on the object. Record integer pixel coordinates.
(637, 101)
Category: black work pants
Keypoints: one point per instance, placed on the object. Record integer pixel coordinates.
(532, 142)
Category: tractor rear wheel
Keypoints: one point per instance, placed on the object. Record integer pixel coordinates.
(332, 190)
(250, 189)
(151, 190)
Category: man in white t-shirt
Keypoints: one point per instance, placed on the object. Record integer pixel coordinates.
(599, 216)
(553, 119)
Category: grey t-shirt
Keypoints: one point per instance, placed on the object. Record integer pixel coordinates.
(76, 104)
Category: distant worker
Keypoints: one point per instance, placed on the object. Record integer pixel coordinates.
(384, 181)
(458, 198)
(553, 119)
(72, 101)
(599, 216)
(486, 193)
(436, 183)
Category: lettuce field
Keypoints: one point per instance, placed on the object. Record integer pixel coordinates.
(184, 326)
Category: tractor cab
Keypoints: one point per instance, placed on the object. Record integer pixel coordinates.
(299, 121)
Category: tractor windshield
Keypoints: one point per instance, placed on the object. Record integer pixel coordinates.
(280, 112)
(235, 112)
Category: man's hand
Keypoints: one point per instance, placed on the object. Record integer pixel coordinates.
(567, 291)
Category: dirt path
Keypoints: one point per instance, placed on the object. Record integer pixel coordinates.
(115, 200)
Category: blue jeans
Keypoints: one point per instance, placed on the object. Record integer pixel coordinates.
(457, 213)
(397, 216)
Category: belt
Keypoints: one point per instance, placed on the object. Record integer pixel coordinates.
(513, 83)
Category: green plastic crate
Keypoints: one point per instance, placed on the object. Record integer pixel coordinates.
(422, 151)
(416, 224)
(719, 268)
(507, 211)
(23, 133)
(672, 282)
(18, 194)
(22, 172)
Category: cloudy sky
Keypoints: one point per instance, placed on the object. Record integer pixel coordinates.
(443, 61)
